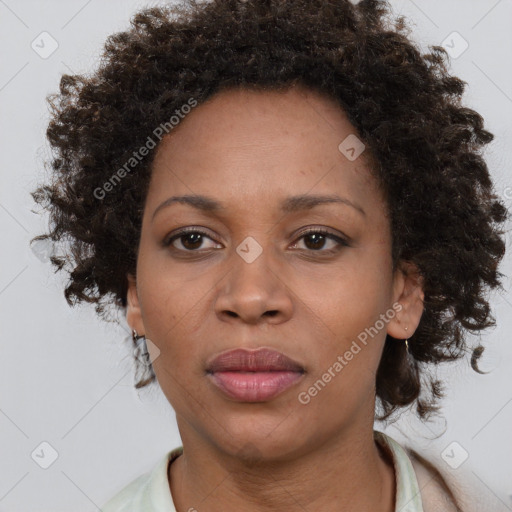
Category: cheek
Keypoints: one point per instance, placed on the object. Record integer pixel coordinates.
(172, 317)
(350, 298)
(168, 295)
(347, 311)
(171, 314)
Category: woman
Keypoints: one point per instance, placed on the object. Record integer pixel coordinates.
(288, 201)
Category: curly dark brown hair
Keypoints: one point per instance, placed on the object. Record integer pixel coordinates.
(424, 145)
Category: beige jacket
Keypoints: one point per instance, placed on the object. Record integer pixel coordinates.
(443, 490)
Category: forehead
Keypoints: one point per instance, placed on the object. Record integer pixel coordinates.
(248, 144)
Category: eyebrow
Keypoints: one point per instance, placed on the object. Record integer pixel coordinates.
(289, 205)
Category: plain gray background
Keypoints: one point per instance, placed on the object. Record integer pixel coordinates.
(66, 378)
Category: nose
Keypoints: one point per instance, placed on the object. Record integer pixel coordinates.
(255, 291)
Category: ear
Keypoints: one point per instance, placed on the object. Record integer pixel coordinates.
(408, 299)
(133, 311)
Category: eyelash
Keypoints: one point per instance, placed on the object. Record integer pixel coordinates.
(340, 241)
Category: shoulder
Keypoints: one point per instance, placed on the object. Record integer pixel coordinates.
(149, 492)
(453, 490)
(437, 494)
(419, 485)
(123, 501)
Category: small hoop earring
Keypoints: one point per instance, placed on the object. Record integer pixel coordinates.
(136, 337)
(142, 357)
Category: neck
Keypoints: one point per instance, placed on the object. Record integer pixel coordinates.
(351, 474)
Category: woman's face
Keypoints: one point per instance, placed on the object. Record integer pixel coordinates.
(254, 280)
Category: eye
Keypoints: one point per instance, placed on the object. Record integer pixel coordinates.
(315, 240)
(191, 239)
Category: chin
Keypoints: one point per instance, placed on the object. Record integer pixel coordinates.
(254, 441)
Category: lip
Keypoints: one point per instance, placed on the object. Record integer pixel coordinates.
(253, 375)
